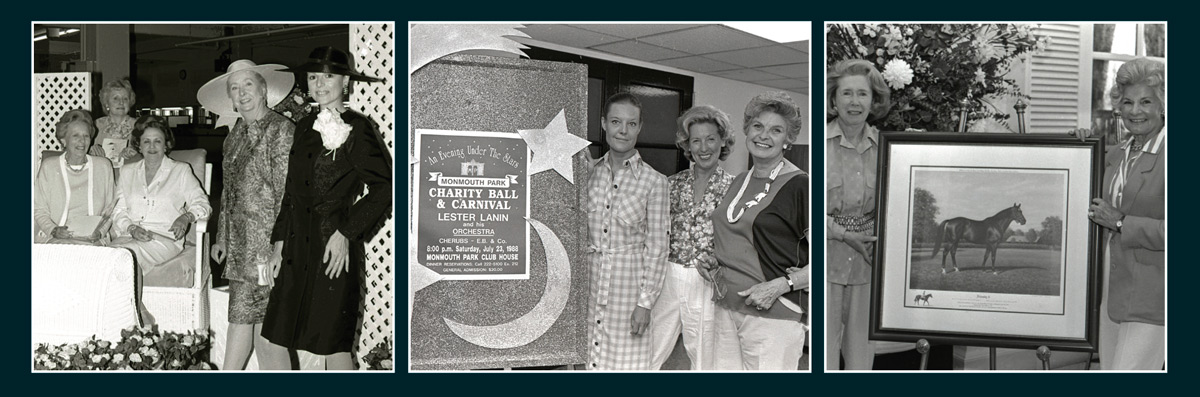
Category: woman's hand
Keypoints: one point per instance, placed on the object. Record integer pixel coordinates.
(180, 226)
(274, 263)
(61, 232)
(139, 234)
(764, 294)
(1081, 133)
(1104, 214)
(640, 321)
(96, 150)
(217, 251)
(706, 267)
(861, 243)
(337, 254)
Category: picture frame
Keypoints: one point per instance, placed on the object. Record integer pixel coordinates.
(946, 200)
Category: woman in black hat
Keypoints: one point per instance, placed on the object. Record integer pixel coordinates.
(318, 236)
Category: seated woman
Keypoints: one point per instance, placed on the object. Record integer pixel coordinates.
(157, 199)
(73, 186)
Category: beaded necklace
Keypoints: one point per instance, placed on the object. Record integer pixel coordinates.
(758, 197)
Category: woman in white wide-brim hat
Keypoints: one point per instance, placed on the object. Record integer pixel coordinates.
(255, 168)
(322, 225)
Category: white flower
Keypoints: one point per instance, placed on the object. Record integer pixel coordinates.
(137, 358)
(333, 130)
(897, 73)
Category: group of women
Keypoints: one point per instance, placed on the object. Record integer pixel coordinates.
(1132, 212)
(738, 253)
(292, 222)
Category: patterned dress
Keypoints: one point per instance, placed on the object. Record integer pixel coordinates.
(628, 226)
(255, 168)
(308, 310)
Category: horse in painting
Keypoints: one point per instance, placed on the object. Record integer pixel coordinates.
(989, 232)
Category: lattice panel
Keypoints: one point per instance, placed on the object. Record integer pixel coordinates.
(55, 94)
(373, 49)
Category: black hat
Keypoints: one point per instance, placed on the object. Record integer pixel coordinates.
(331, 60)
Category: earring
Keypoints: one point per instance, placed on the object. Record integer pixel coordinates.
(345, 90)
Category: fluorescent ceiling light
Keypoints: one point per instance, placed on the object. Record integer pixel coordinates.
(779, 32)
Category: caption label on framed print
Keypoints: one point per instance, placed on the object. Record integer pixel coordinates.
(472, 198)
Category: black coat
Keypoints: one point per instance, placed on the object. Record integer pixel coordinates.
(308, 310)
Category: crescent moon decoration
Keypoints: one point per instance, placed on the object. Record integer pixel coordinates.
(532, 325)
(433, 41)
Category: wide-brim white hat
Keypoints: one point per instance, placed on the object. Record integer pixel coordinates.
(214, 95)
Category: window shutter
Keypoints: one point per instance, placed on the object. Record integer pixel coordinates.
(1057, 76)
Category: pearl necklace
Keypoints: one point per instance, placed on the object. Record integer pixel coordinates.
(758, 197)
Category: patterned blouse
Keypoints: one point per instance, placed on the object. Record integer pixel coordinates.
(255, 168)
(116, 130)
(691, 228)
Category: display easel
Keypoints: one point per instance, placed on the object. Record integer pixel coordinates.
(1043, 355)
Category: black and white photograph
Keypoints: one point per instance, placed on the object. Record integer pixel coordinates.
(963, 218)
(212, 196)
(609, 196)
(980, 182)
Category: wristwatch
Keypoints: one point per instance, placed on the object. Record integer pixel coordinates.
(791, 286)
(1120, 222)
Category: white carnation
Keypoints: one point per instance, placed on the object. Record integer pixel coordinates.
(333, 130)
(897, 73)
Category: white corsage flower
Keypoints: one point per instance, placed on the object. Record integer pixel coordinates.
(333, 130)
(897, 73)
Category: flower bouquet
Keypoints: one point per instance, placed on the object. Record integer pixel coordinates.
(380, 357)
(937, 71)
(140, 348)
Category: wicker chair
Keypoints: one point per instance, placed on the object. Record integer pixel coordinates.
(80, 291)
(185, 308)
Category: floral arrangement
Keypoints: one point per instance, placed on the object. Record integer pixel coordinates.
(140, 348)
(380, 357)
(294, 106)
(938, 70)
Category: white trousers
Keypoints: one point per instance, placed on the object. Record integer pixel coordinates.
(847, 323)
(753, 343)
(684, 306)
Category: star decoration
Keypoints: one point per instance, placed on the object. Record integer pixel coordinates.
(553, 147)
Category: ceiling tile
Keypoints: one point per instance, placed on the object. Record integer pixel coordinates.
(707, 39)
(762, 56)
(639, 51)
(799, 45)
(631, 31)
(787, 84)
(746, 75)
(698, 64)
(568, 35)
(796, 70)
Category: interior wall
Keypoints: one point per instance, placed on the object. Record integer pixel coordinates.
(731, 96)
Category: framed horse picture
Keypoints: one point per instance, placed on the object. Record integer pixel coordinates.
(984, 240)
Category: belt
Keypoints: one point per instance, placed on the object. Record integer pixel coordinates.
(857, 224)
